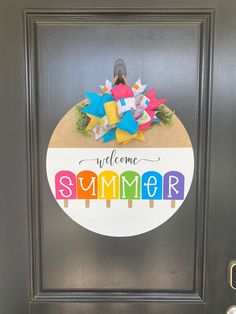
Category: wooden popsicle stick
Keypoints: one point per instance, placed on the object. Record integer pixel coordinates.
(66, 203)
(172, 203)
(130, 203)
(108, 203)
(151, 203)
(87, 203)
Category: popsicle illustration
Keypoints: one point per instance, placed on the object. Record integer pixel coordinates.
(130, 186)
(108, 186)
(65, 186)
(86, 186)
(173, 187)
(151, 187)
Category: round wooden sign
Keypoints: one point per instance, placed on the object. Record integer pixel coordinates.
(120, 190)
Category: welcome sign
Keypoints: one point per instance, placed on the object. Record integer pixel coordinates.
(120, 186)
(109, 185)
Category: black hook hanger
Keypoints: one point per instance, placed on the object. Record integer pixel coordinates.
(120, 72)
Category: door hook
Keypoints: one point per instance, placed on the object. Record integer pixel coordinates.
(120, 72)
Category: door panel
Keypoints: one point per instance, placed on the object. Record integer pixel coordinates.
(72, 55)
(68, 51)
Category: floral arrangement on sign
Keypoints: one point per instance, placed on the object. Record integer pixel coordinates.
(121, 112)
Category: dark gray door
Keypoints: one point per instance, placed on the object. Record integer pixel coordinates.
(51, 53)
